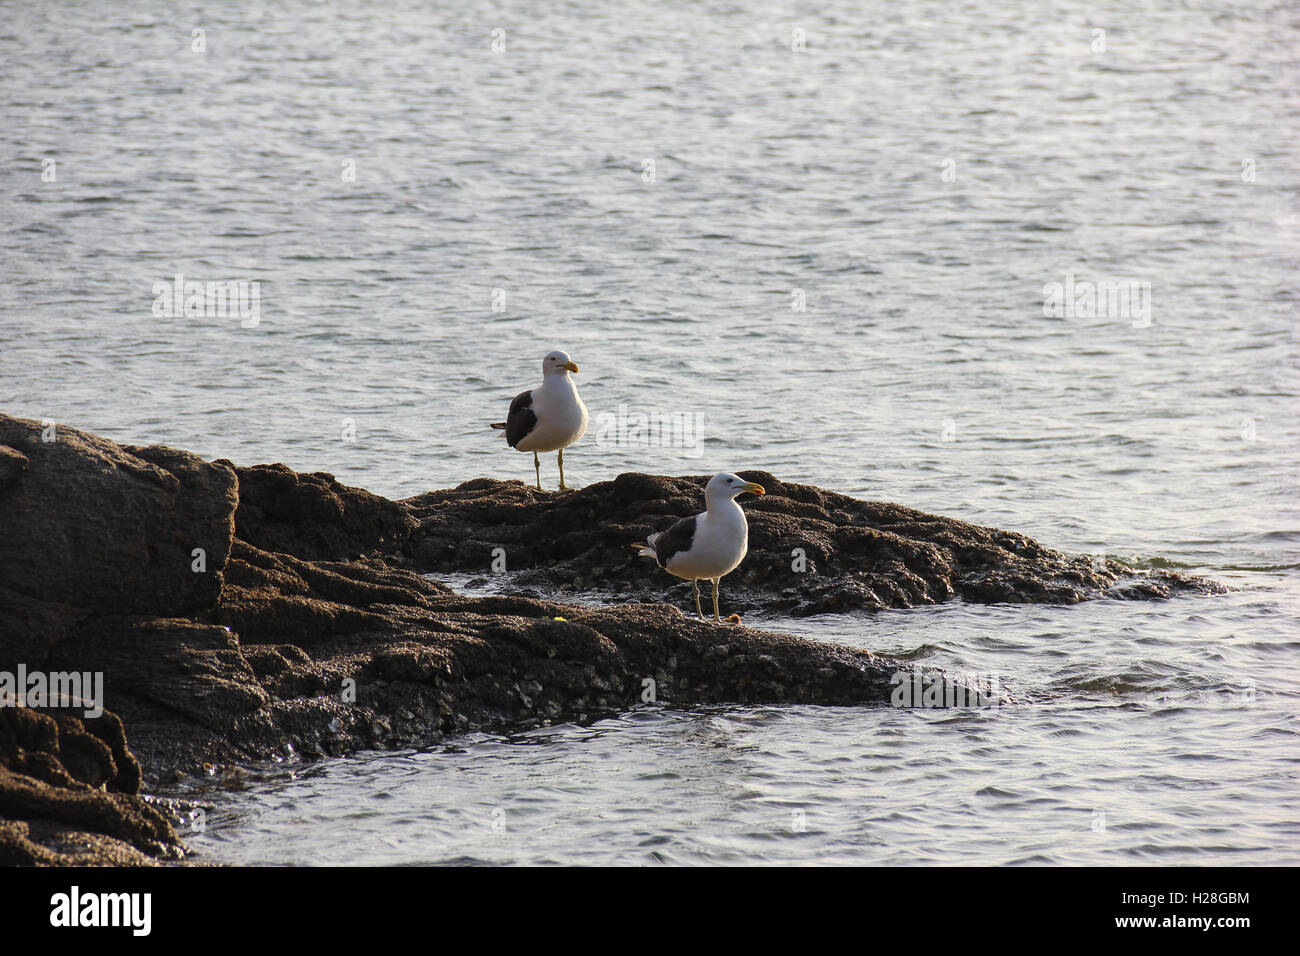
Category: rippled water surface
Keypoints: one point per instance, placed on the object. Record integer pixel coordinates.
(913, 177)
(1142, 742)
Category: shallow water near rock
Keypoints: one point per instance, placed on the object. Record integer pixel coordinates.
(1141, 740)
(923, 371)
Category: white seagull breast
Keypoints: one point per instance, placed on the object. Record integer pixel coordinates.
(720, 543)
(561, 416)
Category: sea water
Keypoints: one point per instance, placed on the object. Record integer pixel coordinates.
(1030, 265)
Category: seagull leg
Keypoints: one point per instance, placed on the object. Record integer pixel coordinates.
(695, 583)
(563, 486)
(716, 619)
(537, 465)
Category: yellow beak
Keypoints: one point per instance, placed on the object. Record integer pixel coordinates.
(755, 488)
(569, 366)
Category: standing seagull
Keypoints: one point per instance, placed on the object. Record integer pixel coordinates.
(709, 545)
(547, 418)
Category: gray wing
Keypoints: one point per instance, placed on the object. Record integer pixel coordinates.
(675, 539)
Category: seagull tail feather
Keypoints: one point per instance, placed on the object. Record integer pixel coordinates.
(643, 550)
(497, 425)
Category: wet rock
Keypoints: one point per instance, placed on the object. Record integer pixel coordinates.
(54, 771)
(311, 630)
(811, 551)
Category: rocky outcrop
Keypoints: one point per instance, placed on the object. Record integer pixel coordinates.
(243, 613)
(107, 528)
(72, 781)
(312, 516)
(810, 551)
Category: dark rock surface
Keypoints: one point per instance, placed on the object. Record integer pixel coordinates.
(307, 630)
(74, 781)
(106, 527)
(313, 516)
(810, 551)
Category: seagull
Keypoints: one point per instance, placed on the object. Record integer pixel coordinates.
(709, 545)
(547, 418)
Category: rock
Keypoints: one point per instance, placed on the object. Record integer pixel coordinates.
(52, 767)
(12, 464)
(312, 515)
(111, 529)
(312, 632)
(170, 664)
(810, 551)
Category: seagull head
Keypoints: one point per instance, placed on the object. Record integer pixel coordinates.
(727, 485)
(558, 363)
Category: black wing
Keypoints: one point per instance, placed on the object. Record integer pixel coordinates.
(521, 419)
(677, 538)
